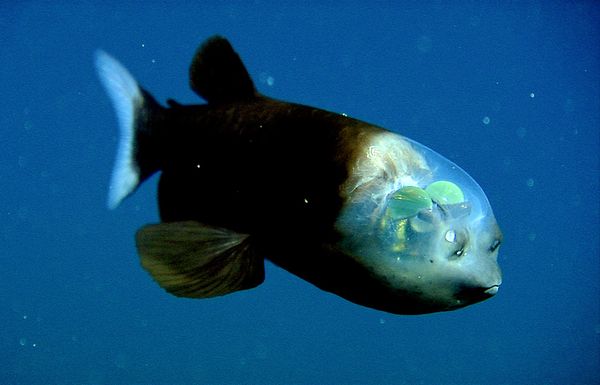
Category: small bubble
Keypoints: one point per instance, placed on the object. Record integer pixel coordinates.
(569, 105)
(532, 95)
(121, 360)
(530, 182)
(474, 21)
(424, 44)
(143, 45)
(486, 120)
(23, 341)
(153, 61)
(575, 200)
(267, 79)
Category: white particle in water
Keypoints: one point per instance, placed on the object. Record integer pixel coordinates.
(486, 120)
(267, 79)
(530, 182)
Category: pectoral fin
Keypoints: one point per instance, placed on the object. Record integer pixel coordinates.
(189, 259)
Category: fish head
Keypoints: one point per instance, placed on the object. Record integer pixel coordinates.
(420, 225)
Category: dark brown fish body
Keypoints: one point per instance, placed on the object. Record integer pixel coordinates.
(246, 177)
(296, 173)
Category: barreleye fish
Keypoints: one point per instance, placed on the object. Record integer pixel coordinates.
(353, 208)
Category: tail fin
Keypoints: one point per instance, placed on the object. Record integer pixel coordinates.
(136, 112)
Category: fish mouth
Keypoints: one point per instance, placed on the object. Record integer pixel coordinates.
(492, 290)
(477, 294)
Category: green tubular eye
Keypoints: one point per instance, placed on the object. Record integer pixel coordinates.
(445, 193)
(408, 201)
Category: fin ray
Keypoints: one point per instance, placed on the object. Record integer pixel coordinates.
(189, 259)
(126, 96)
(137, 113)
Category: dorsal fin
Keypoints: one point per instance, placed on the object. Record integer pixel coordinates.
(218, 74)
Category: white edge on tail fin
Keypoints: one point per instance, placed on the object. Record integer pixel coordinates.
(126, 98)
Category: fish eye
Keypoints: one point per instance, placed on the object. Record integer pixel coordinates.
(495, 244)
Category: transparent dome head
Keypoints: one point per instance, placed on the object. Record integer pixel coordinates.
(413, 216)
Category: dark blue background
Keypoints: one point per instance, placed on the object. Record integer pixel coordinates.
(76, 307)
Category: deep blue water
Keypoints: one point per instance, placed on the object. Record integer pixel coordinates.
(76, 307)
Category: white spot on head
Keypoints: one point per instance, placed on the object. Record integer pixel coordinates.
(373, 152)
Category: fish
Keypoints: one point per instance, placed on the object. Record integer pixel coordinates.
(355, 209)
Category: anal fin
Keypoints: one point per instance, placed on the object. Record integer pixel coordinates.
(190, 259)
